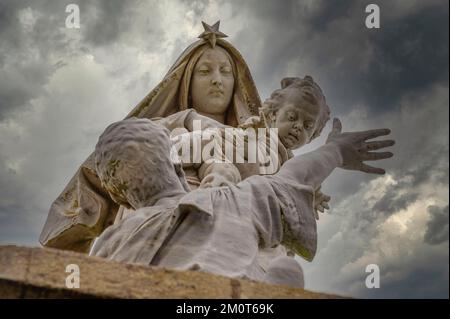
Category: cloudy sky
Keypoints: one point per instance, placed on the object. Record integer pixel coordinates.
(60, 87)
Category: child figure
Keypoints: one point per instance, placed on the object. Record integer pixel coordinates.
(299, 111)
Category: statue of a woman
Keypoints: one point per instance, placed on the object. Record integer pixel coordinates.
(211, 76)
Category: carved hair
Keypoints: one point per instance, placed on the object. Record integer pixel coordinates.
(132, 159)
(310, 91)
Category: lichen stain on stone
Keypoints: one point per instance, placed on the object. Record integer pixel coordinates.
(112, 166)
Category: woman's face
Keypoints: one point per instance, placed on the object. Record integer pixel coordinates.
(212, 82)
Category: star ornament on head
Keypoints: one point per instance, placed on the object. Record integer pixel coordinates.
(212, 33)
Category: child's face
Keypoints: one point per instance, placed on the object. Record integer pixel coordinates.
(296, 119)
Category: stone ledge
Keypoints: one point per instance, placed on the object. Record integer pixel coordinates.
(41, 273)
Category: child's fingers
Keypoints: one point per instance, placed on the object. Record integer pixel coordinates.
(337, 126)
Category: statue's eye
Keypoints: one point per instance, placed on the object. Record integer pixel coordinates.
(291, 116)
(309, 125)
(203, 70)
(225, 69)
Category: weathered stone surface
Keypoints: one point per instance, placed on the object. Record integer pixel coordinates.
(41, 273)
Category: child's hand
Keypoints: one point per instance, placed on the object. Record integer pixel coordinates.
(204, 121)
(355, 149)
(320, 202)
(214, 180)
(218, 174)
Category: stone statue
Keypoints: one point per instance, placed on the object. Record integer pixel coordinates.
(84, 208)
(218, 229)
(209, 81)
(299, 112)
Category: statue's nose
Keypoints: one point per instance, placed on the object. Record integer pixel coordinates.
(298, 127)
(216, 78)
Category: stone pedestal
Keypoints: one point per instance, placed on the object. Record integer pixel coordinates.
(41, 273)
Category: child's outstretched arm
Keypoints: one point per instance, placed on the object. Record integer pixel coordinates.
(345, 150)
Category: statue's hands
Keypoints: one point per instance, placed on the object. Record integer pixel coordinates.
(355, 149)
(203, 121)
(320, 202)
(252, 121)
(218, 174)
(214, 180)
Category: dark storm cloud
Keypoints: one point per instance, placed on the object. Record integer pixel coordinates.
(356, 65)
(412, 54)
(422, 169)
(392, 202)
(10, 31)
(437, 227)
(329, 12)
(18, 210)
(415, 283)
(105, 21)
(419, 162)
(15, 88)
(363, 207)
(24, 53)
(34, 44)
(19, 85)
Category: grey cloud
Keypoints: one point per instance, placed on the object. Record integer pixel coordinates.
(393, 203)
(21, 84)
(437, 227)
(19, 211)
(415, 278)
(15, 89)
(355, 65)
(10, 27)
(331, 11)
(134, 23)
(25, 54)
(420, 284)
(413, 54)
(105, 21)
(420, 163)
